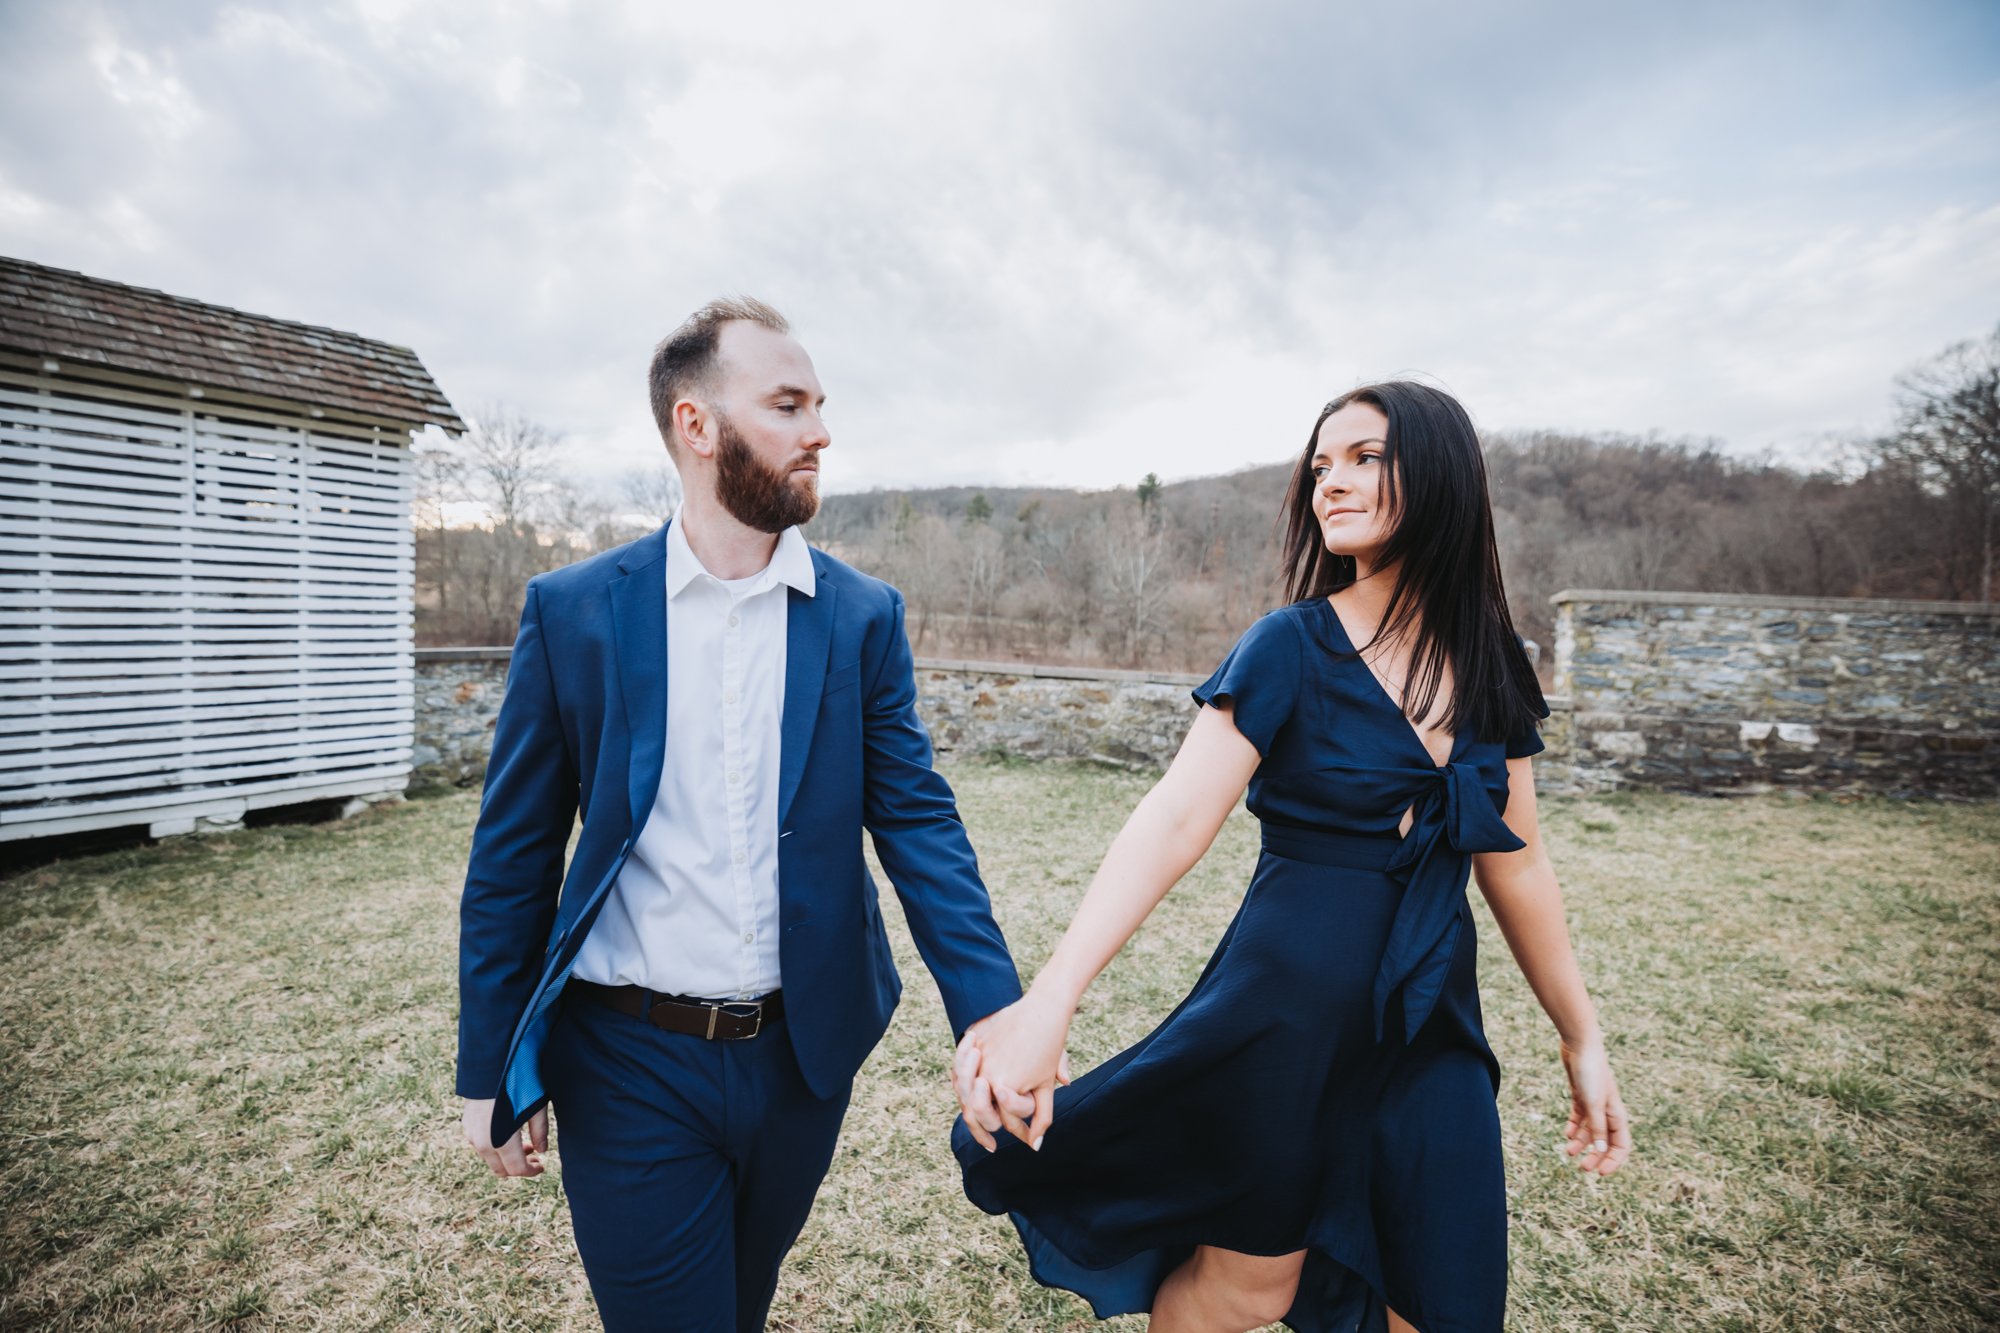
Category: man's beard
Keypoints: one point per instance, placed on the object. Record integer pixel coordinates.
(756, 495)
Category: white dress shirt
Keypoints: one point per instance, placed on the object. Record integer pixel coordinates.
(695, 908)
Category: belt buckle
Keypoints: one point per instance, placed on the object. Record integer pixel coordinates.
(716, 1009)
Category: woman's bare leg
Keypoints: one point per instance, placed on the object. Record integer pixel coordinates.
(1221, 1291)
(1398, 1324)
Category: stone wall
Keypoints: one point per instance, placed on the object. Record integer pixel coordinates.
(458, 697)
(1711, 694)
(1719, 694)
(1133, 719)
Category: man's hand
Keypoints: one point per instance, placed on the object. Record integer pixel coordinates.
(517, 1156)
(976, 1098)
(987, 1066)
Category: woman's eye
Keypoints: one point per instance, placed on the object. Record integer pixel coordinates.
(1371, 458)
(1319, 471)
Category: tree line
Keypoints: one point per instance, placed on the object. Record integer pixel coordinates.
(1166, 575)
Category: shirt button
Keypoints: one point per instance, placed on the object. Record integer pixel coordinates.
(731, 775)
(732, 622)
(730, 697)
(740, 858)
(749, 937)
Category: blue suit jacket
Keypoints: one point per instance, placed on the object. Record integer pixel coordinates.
(583, 726)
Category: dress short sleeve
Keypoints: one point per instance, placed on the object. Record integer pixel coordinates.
(1528, 740)
(1259, 678)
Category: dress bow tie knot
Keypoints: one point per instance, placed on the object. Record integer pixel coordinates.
(1451, 818)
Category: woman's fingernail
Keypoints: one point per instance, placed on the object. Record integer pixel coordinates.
(1037, 1144)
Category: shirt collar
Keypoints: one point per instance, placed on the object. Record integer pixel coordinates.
(791, 564)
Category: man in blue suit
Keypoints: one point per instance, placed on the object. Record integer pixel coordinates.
(728, 709)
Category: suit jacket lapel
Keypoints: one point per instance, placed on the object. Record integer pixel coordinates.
(808, 637)
(639, 620)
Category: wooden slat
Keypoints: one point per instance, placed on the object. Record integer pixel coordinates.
(211, 524)
(142, 809)
(199, 608)
(24, 780)
(17, 702)
(205, 775)
(21, 571)
(227, 675)
(212, 540)
(181, 717)
(176, 563)
(83, 659)
(329, 652)
(96, 741)
(115, 465)
(192, 747)
(228, 802)
(76, 417)
(129, 401)
(215, 596)
(58, 621)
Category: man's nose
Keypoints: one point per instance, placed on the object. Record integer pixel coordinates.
(819, 437)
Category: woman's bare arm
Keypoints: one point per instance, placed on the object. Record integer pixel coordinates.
(1527, 902)
(1016, 1051)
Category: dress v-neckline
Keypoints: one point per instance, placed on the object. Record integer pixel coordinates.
(1382, 693)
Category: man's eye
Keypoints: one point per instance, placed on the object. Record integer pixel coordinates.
(788, 407)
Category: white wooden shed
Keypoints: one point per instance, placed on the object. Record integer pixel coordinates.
(205, 558)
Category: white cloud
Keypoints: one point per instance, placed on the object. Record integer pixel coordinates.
(163, 103)
(1044, 242)
(126, 224)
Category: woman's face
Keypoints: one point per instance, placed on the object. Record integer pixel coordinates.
(1348, 495)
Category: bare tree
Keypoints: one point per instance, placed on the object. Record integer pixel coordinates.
(981, 568)
(1134, 559)
(511, 460)
(1948, 436)
(437, 485)
(654, 491)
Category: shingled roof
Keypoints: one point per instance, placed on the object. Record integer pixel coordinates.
(52, 312)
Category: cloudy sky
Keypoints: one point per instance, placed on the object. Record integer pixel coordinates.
(1059, 243)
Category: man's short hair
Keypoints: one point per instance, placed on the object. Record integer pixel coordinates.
(685, 358)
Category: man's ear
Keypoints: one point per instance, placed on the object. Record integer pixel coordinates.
(694, 427)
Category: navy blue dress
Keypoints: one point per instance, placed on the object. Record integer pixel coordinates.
(1327, 1085)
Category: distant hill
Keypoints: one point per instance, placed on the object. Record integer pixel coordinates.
(1042, 573)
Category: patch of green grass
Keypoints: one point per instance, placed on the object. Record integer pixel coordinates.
(236, 1306)
(243, 1119)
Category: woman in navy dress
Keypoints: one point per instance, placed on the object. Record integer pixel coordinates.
(1312, 1134)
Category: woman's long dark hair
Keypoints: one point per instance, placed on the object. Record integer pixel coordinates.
(1448, 595)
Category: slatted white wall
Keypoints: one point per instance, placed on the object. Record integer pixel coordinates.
(203, 610)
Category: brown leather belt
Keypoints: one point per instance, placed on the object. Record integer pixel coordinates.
(711, 1020)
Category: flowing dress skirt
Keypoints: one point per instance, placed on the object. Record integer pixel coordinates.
(1264, 1116)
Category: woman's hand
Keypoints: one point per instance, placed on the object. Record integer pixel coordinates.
(1598, 1128)
(1012, 1060)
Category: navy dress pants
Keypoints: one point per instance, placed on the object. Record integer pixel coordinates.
(690, 1166)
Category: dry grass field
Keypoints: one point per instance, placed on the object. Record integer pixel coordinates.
(227, 1068)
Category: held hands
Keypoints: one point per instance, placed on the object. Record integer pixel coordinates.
(1598, 1128)
(517, 1156)
(1007, 1068)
